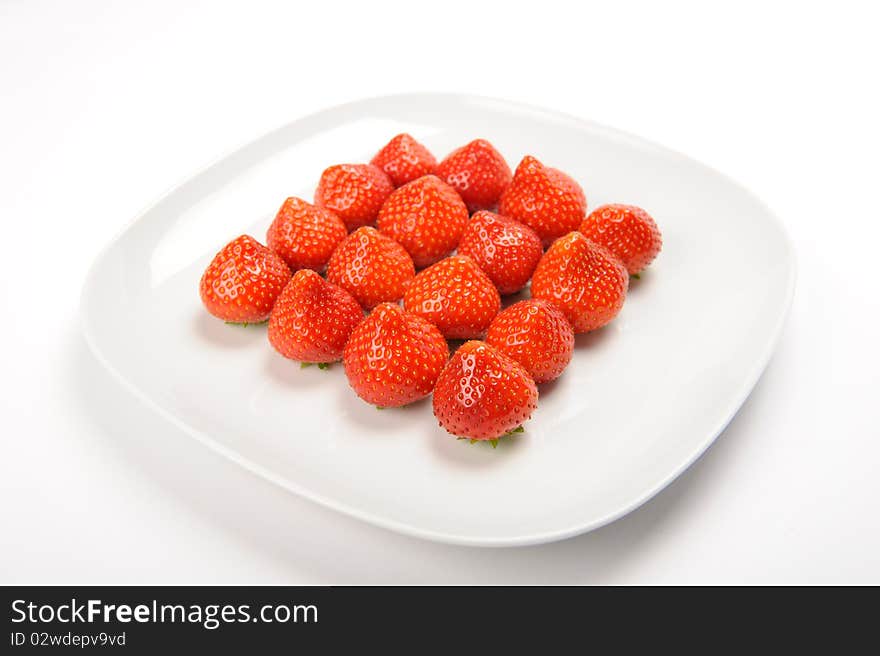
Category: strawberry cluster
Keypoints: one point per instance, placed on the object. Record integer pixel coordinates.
(428, 249)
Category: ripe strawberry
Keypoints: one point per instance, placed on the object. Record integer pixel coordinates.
(454, 295)
(545, 199)
(313, 319)
(393, 357)
(371, 267)
(506, 250)
(583, 280)
(354, 191)
(243, 281)
(478, 172)
(482, 394)
(536, 334)
(426, 217)
(404, 159)
(305, 235)
(627, 231)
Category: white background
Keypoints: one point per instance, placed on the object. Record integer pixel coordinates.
(103, 106)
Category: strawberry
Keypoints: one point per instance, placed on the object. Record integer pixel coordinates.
(354, 191)
(627, 231)
(583, 280)
(243, 281)
(536, 334)
(545, 199)
(454, 295)
(404, 159)
(305, 235)
(426, 217)
(482, 394)
(478, 172)
(393, 357)
(371, 267)
(312, 319)
(506, 250)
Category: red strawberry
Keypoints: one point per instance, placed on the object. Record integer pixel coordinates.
(313, 319)
(371, 267)
(536, 334)
(354, 191)
(627, 231)
(404, 159)
(426, 217)
(243, 281)
(583, 280)
(454, 295)
(478, 172)
(483, 394)
(394, 357)
(506, 250)
(305, 235)
(545, 199)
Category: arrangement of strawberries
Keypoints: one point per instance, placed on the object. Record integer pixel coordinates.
(427, 250)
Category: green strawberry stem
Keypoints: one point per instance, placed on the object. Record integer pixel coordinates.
(494, 442)
(321, 365)
(246, 324)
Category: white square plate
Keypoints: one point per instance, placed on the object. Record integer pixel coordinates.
(641, 400)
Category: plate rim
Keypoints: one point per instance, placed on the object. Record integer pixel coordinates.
(404, 528)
